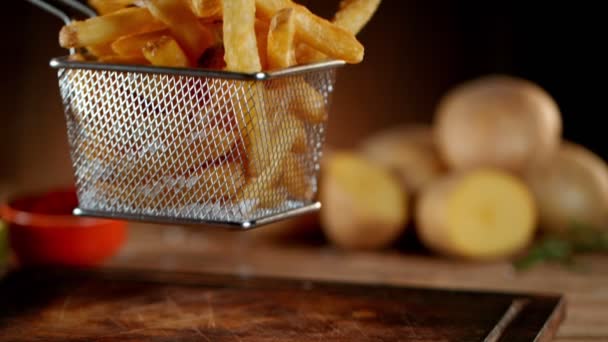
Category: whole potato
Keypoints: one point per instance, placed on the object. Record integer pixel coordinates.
(497, 121)
(571, 190)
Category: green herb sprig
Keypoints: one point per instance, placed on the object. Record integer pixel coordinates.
(563, 247)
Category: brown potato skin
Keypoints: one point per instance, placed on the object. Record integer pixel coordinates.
(409, 151)
(350, 226)
(497, 121)
(571, 190)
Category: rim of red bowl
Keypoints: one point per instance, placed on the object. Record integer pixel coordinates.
(25, 218)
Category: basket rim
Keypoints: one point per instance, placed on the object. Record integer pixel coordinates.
(64, 63)
(246, 224)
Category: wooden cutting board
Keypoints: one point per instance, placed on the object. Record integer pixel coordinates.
(127, 305)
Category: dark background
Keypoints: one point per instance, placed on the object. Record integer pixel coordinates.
(415, 51)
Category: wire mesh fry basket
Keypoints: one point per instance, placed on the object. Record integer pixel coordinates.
(190, 146)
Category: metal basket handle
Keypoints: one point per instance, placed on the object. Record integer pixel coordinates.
(60, 13)
(72, 5)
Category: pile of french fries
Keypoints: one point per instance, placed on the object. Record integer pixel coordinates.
(234, 35)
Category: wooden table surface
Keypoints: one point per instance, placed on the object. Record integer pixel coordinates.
(247, 253)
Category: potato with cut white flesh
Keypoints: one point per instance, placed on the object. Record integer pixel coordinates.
(481, 214)
(571, 190)
(499, 121)
(410, 151)
(363, 205)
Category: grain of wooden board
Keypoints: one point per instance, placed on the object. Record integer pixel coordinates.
(191, 250)
(127, 305)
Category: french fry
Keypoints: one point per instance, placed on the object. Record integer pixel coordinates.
(295, 178)
(352, 15)
(107, 28)
(77, 57)
(165, 52)
(241, 52)
(117, 59)
(255, 130)
(317, 32)
(261, 35)
(305, 54)
(206, 8)
(311, 106)
(278, 148)
(216, 27)
(108, 6)
(132, 45)
(206, 146)
(280, 50)
(214, 182)
(100, 50)
(300, 143)
(193, 37)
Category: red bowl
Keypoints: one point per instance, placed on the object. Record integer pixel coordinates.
(42, 230)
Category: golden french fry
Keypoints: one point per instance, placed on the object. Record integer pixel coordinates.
(295, 177)
(107, 28)
(193, 36)
(132, 45)
(208, 145)
(77, 57)
(115, 59)
(165, 52)
(255, 129)
(262, 186)
(305, 54)
(300, 143)
(100, 50)
(223, 181)
(310, 105)
(216, 143)
(108, 6)
(280, 50)
(275, 197)
(241, 52)
(216, 27)
(206, 8)
(353, 15)
(317, 32)
(261, 33)
(96, 150)
(158, 185)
